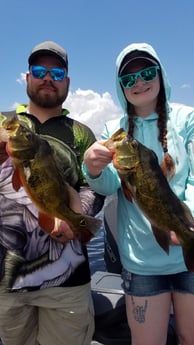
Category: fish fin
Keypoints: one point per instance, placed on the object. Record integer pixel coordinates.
(168, 166)
(16, 181)
(89, 226)
(126, 191)
(162, 237)
(45, 222)
(84, 236)
(188, 254)
(187, 217)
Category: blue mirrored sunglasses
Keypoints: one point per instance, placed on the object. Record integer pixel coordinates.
(56, 73)
(147, 74)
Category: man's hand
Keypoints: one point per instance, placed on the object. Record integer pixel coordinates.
(62, 232)
(3, 153)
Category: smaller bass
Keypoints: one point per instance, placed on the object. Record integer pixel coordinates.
(46, 167)
(143, 180)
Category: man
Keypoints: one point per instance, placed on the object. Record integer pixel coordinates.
(45, 280)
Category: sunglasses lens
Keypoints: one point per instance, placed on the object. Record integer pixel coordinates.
(149, 74)
(38, 72)
(128, 80)
(57, 73)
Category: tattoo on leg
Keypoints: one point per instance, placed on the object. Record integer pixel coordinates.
(139, 311)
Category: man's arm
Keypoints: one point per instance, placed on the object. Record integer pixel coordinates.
(92, 203)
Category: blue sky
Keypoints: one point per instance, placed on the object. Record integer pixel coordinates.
(93, 33)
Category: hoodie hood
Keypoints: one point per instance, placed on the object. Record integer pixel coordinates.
(144, 48)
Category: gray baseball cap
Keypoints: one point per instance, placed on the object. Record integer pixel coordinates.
(49, 48)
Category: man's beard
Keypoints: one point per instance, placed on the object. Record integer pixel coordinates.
(46, 101)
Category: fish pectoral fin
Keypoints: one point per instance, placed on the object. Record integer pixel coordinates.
(162, 237)
(126, 191)
(45, 222)
(16, 181)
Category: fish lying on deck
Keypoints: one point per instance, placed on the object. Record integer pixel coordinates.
(46, 167)
(143, 180)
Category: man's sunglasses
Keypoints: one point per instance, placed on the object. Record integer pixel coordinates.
(147, 74)
(56, 73)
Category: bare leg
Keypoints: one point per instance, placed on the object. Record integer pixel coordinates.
(148, 318)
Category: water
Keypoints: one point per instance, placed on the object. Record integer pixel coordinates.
(96, 252)
(96, 258)
(96, 249)
(96, 245)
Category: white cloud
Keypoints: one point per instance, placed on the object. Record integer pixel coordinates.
(22, 79)
(14, 105)
(185, 86)
(91, 108)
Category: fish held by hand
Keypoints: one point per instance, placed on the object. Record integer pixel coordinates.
(143, 181)
(46, 167)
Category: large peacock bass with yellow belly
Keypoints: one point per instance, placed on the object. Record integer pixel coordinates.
(46, 168)
(144, 182)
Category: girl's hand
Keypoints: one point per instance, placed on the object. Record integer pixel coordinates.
(96, 158)
(174, 240)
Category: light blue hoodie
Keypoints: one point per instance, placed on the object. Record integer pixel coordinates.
(139, 251)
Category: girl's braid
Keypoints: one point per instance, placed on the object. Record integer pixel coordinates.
(167, 164)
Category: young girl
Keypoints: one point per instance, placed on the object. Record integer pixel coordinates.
(152, 280)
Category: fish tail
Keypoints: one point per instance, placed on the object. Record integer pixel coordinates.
(188, 254)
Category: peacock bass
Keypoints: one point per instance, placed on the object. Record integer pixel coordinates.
(46, 167)
(143, 181)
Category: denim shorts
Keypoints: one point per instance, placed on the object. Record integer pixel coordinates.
(143, 285)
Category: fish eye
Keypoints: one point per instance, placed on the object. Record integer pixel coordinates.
(28, 135)
(82, 222)
(134, 143)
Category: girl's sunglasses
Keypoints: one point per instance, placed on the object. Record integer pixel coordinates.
(56, 73)
(147, 74)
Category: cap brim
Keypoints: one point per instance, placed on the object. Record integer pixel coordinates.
(154, 62)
